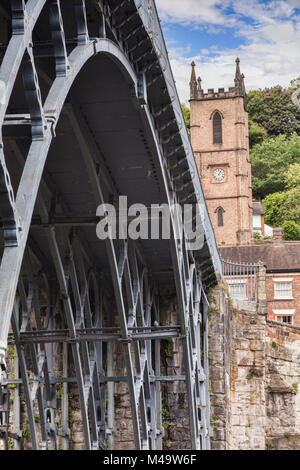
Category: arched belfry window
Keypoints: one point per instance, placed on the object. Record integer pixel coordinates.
(220, 213)
(217, 128)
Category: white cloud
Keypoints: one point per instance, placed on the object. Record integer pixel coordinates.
(193, 11)
(269, 54)
(215, 12)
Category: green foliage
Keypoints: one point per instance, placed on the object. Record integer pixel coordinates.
(259, 239)
(292, 205)
(70, 418)
(274, 137)
(169, 349)
(257, 133)
(25, 433)
(292, 176)
(274, 344)
(11, 352)
(166, 414)
(274, 110)
(167, 444)
(256, 235)
(10, 443)
(282, 209)
(187, 116)
(270, 162)
(254, 372)
(291, 230)
(273, 205)
(269, 445)
(59, 391)
(213, 422)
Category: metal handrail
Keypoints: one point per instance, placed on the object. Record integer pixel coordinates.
(242, 275)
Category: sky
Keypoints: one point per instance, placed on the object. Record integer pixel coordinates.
(265, 35)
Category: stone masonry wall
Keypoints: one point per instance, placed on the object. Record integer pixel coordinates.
(283, 387)
(237, 373)
(254, 375)
(174, 413)
(254, 381)
(219, 337)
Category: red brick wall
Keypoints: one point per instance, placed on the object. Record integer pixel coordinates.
(234, 194)
(284, 304)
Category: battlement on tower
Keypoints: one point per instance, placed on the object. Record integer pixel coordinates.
(211, 94)
(198, 94)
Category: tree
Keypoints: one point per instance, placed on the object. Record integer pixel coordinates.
(291, 230)
(187, 116)
(274, 130)
(257, 133)
(274, 110)
(273, 209)
(270, 161)
(292, 176)
(282, 209)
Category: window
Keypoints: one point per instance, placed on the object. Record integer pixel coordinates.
(283, 290)
(284, 316)
(238, 290)
(285, 319)
(220, 211)
(217, 128)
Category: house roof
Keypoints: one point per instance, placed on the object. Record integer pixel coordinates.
(284, 257)
(258, 208)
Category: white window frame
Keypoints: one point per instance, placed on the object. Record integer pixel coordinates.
(283, 280)
(280, 319)
(284, 313)
(240, 283)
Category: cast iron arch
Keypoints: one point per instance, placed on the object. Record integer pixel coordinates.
(125, 265)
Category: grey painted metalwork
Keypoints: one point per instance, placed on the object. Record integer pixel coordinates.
(241, 279)
(70, 73)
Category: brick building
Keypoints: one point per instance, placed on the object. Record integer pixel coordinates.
(283, 275)
(219, 136)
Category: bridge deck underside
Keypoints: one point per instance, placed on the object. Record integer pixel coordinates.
(89, 110)
(100, 104)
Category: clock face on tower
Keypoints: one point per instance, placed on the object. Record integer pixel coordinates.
(219, 174)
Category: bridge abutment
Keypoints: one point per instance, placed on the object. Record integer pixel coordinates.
(253, 374)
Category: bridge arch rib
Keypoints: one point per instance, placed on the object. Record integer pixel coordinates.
(62, 242)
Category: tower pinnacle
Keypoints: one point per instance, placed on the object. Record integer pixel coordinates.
(199, 83)
(239, 79)
(238, 71)
(193, 83)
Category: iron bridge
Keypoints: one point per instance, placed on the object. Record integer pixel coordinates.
(88, 112)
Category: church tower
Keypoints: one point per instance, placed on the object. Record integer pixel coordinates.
(219, 136)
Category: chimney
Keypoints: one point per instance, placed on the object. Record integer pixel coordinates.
(277, 236)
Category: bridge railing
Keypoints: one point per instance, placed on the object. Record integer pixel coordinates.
(241, 279)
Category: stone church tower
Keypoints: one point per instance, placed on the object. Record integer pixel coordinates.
(219, 136)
